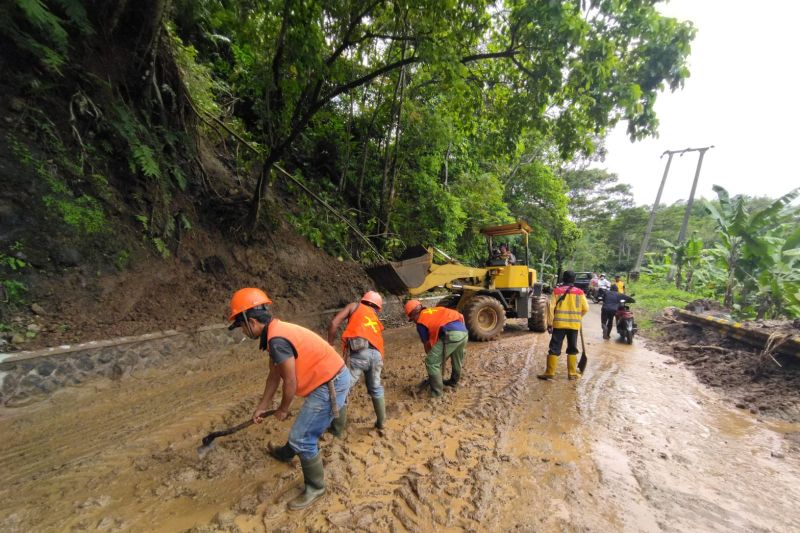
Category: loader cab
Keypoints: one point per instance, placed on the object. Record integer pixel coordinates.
(494, 241)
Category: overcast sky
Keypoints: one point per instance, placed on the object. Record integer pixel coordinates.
(743, 97)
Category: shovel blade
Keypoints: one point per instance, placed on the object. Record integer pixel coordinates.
(582, 363)
(203, 449)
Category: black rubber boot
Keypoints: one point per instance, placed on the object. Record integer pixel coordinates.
(284, 453)
(314, 481)
(453, 381)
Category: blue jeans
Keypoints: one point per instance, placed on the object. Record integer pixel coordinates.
(315, 416)
(370, 363)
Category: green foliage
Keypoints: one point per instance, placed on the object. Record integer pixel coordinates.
(653, 293)
(80, 211)
(42, 29)
(759, 251)
(12, 290)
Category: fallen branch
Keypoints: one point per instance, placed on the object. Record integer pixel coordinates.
(707, 347)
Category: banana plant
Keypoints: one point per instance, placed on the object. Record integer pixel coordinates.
(759, 253)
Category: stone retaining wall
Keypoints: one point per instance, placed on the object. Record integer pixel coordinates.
(27, 377)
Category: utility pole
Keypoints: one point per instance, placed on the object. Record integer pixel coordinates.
(643, 248)
(688, 212)
(649, 229)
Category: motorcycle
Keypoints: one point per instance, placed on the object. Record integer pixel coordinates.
(626, 325)
(597, 295)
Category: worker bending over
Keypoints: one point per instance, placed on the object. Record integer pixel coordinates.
(308, 367)
(362, 346)
(444, 335)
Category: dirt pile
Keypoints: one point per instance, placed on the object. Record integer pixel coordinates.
(191, 289)
(764, 384)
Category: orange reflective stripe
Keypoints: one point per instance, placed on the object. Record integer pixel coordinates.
(316, 363)
(364, 323)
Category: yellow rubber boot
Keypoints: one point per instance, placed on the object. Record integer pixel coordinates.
(572, 366)
(550, 373)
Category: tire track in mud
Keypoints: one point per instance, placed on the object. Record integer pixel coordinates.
(121, 455)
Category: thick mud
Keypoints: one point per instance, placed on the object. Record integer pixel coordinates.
(765, 384)
(637, 444)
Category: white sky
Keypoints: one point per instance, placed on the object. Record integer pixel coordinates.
(743, 97)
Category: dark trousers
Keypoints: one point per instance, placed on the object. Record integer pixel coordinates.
(558, 339)
(607, 319)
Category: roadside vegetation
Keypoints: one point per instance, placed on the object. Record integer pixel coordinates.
(653, 294)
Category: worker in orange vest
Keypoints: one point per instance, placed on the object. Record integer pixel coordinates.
(444, 335)
(362, 344)
(309, 368)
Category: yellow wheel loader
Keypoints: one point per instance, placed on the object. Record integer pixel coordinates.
(486, 296)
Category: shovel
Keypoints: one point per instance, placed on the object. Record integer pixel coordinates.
(208, 440)
(583, 360)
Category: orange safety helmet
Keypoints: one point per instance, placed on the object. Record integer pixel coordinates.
(374, 298)
(411, 305)
(247, 298)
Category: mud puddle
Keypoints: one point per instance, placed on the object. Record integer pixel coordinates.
(636, 445)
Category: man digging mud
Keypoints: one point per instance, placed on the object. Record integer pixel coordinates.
(309, 368)
(362, 344)
(444, 335)
(564, 315)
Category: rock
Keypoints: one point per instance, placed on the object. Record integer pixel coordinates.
(777, 455)
(35, 328)
(663, 455)
(38, 309)
(85, 364)
(224, 518)
(69, 257)
(45, 368)
(18, 339)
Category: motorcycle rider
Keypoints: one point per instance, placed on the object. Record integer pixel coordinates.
(611, 303)
(593, 285)
(602, 286)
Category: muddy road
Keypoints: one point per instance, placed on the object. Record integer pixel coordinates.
(636, 445)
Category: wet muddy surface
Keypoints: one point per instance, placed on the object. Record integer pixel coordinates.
(638, 444)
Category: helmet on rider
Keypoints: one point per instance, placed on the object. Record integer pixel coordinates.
(372, 297)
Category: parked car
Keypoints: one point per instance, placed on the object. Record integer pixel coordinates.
(582, 280)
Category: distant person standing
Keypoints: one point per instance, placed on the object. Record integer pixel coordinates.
(444, 334)
(620, 284)
(362, 344)
(564, 316)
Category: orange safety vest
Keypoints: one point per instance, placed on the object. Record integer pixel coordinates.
(364, 323)
(316, 363)
(434, 318)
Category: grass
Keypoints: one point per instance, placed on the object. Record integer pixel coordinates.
(653, 294)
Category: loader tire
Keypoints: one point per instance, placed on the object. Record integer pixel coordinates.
(538, 319)
(485, 318)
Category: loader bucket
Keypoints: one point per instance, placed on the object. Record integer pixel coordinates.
(396, 277)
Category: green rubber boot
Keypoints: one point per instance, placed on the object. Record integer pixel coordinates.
(379, 405)
(284, 453)
(339, 423)
(314, 480)
(550, 372)
(437, 386)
